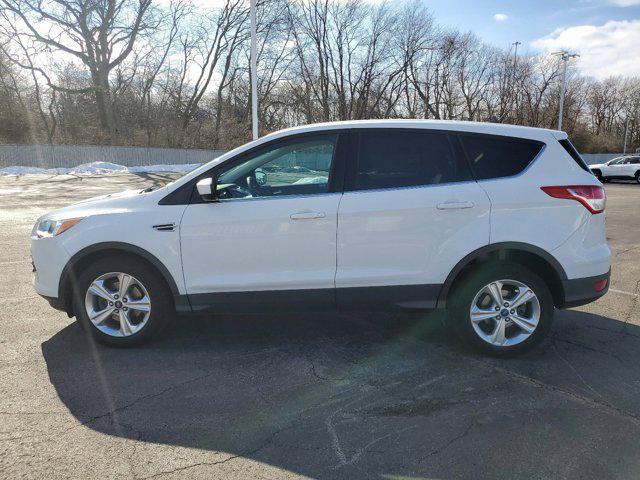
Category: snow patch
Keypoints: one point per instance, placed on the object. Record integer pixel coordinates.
(98, 168)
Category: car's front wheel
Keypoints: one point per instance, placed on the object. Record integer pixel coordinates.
(121, 301)
(638, 177)
(501, 309)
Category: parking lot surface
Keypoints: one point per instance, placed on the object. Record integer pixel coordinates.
(314, 396)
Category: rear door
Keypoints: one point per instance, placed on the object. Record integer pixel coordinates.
(630, 166)
(410, 212)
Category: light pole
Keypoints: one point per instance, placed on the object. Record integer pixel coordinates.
(253, 72)
(626, 136)
(512, 94)
(565, 56)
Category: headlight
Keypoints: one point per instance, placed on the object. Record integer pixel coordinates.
(50, 228)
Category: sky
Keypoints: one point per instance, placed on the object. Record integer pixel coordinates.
(605, 33)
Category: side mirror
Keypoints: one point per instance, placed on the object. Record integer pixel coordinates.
(207, 189)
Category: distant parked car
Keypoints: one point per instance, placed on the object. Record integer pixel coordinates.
(496, 223)
(621, 168)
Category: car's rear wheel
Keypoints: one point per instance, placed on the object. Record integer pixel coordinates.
(121, 301)
(638, 177)
(501, 309)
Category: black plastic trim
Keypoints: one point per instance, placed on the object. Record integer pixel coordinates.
(496, 247)
(395, 297)
(579, 291)
(392, 297)
(574, 154)
(263, 301)
(65, 277)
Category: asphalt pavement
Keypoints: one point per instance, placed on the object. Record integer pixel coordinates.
(311, 396)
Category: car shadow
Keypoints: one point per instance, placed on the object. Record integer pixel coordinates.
(367, 395)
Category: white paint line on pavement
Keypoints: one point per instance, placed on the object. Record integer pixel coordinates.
(15, 262)
(622, 292)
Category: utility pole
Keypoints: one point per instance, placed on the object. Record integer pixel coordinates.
(564, 56)
(254, 76)
(515, 64)
(626, 136)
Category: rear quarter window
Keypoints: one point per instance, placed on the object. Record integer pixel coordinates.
(497, 157)
(571, 150)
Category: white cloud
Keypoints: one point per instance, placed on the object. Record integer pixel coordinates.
(625, 3)
(500, 17)
(605, 50)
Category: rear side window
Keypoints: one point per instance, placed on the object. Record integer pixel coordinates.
(395, 159)
(495, 157)
(571, 150)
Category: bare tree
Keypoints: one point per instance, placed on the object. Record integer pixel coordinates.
(100, 34)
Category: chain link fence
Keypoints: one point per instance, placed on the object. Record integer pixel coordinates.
(67, 156)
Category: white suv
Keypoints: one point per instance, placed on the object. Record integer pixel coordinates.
(621, 168)
(497, 223)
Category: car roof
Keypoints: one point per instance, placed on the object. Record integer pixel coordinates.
(453, 125)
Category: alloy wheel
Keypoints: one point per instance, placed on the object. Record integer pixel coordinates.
(505, 313)
(118, 304)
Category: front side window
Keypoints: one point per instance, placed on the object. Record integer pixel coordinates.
(395, 159)
(295, 167)
(496, 157)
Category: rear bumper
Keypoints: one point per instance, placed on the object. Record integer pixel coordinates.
(580, 291)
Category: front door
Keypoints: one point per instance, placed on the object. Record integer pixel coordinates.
(273, 232)
(614, 168)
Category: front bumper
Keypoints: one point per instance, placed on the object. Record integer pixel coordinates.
(48, 258)
(580, 291)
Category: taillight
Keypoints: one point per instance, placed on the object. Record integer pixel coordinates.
(592, 197)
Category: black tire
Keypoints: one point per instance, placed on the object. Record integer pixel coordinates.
(465, 290)
(638, 177)
(598, 175)
(160, 295)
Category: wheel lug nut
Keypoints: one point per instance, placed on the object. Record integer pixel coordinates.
(497, 309)
(498, 317)
(513, 311)
(117, 311)
(125, 309)
(115, 296)
(124, 299)
(506, 304)
(111, 304)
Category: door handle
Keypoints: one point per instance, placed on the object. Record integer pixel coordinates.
(307, 215)
(453, 205)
